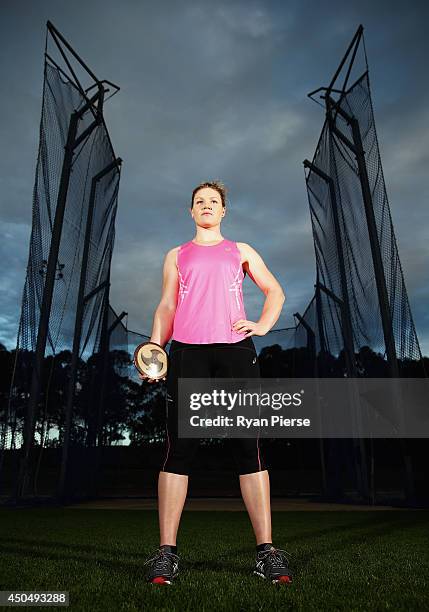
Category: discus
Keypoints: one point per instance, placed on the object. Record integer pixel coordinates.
(151, 360)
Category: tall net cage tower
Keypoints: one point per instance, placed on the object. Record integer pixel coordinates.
(55, 381)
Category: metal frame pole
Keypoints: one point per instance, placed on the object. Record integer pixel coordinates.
(383, 299)
(48, 290)
(81, 301)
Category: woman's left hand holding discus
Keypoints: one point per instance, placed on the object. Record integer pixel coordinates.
(151, 361)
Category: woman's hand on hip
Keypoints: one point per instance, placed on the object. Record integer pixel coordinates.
(249, 328)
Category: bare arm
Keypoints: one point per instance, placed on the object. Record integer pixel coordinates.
(163, 318)
(255, 267)
(162, 327)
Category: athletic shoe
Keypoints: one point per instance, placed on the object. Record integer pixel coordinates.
(164, 567)
(273, 565)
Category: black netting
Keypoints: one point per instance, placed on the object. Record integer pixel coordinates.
(92, 187)
(349, 243)
(109, 405)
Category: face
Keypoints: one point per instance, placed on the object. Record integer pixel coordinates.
(207, 210)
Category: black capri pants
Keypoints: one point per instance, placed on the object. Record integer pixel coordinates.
(221, 360)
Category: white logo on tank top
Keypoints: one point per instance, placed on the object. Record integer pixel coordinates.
(183, 287)
(235, 286)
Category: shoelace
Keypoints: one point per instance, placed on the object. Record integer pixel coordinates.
(276, 556)
(163, 558)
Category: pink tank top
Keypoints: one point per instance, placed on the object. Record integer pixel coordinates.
(210, 296)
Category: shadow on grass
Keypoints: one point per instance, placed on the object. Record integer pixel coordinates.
(132, 562)
(373, 529)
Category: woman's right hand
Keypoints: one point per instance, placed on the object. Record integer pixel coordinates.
(150, 380)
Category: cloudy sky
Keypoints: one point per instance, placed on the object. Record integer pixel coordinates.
(217, 90)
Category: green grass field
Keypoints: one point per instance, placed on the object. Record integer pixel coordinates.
(341, 560)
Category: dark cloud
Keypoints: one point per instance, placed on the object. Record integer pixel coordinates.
(218, 90)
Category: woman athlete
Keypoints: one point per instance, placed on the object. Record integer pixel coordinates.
(202, 311)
